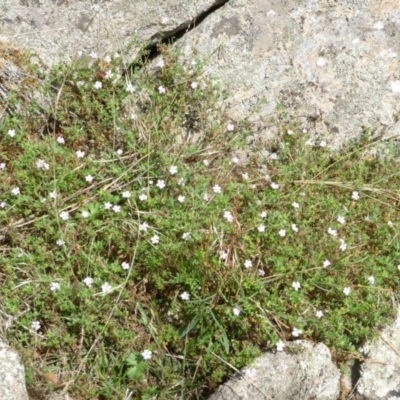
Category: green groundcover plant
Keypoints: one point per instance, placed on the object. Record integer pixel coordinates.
(141, 258)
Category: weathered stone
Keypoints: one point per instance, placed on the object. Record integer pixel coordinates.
(333, 64)
(58, 29)
(12, 375)
(302, 371)
(380, 373)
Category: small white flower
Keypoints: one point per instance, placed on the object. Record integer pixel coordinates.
(146, 354)
(326, 263)
(126, 194)
(98, 85)
(395, 86)
(3, 204)
(289, 132)
(343, 245)
(109, 74)
(194, 85)
(261, 272)
(217, 189)
(108, 206)
(355, 196)
(120, 152)
(282, 233)
(236, 311)
(341, 219)
(116, 209)
(346, 291)
(250, 373)
(60, 242)
(206, 163)
(35, 325)
(89, 178)
(295, 228)
(379, 25)
(80, 154)
(55, 286)
(332, 232)
(15, 191)
(296, 286)
(64, 215)
(155, 239)
(161, 89)
(263, 214)
(181, 199)
(107, 59)
(173, 170)
(296, 332)
(130, 88)
(2, 165)
(125, 265)
(321, 62)
(261, 228)
(206, 197)
(319, 314)
(186, 236)
(280, 345)
(245, 176)
(181, 182)
(88, 281)
(273, 156)
(230, 127)
(371, 280)
(93, 55)
(274, 185)
(60, 140)
(235, 160)
(185, 296)
(41, 164)
(143, 197)
(304, 130)
(160, 184)
(323, 143)
(53, 194)
(223, 255)
(134, 116)
(248, 264)
(143, 227)
(228, 216)
(85, 214)
(390, 223)
(295, 205)
(106, 287)
(11, 132)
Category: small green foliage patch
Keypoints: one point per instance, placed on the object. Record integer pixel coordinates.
(139, 255)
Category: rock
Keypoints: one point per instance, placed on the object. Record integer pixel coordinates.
(380, 373)
(302, 371)
(16, 75)
(334, 65)
(59, 29)
(12, 375)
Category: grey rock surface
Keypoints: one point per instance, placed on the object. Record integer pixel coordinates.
(333, 63)
(58, 29)
(12, 375)
(380, 373)
(302, 371)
